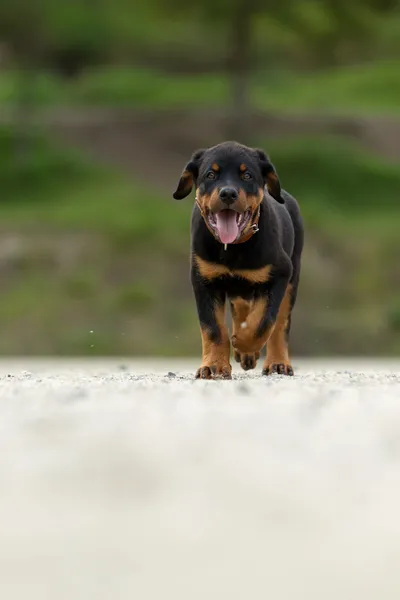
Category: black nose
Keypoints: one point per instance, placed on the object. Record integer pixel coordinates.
(228, 195)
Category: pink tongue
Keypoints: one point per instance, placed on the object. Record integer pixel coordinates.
(226, 226)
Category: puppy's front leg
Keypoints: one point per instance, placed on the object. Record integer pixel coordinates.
(214, 333)
(256, 330)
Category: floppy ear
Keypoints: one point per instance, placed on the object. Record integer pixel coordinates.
(270, 176)
(189, 176)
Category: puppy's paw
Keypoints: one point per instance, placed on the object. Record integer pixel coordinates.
(215, 371)
(279, 368)
(244, 342)
(247, 361)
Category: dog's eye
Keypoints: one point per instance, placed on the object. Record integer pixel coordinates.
(211, 175)
(247, 176)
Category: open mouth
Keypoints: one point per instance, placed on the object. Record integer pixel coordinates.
(228, 224)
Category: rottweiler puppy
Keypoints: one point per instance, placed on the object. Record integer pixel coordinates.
(246, 244)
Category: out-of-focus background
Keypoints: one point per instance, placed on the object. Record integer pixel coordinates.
(103, 101)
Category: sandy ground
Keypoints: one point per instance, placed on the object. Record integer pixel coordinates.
(116, 483)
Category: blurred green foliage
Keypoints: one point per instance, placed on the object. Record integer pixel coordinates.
(370, 88)
(60, 187)
(129, 281)
(93, 261)
(109, 30)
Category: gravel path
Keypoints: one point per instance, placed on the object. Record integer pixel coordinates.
(117, 484)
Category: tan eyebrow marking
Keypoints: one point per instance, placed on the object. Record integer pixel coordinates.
(243, 168)
(215, 167)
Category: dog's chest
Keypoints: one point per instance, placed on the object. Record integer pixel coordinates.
(237, 257)
(228, 272)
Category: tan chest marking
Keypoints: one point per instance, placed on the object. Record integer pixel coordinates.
(210, 270)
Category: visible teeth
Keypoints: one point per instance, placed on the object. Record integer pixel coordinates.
(241, 219)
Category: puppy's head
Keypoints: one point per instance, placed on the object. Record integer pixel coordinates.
(230, 180)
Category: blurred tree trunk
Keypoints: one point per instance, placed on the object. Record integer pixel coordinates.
(240, 70)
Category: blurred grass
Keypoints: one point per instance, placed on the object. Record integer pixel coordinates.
(93, 261)
(339, 184)
(117, 87)
(45, 184)
(129, 283)
(370, 88)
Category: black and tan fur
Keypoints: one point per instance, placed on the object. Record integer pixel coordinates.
(258, 274)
